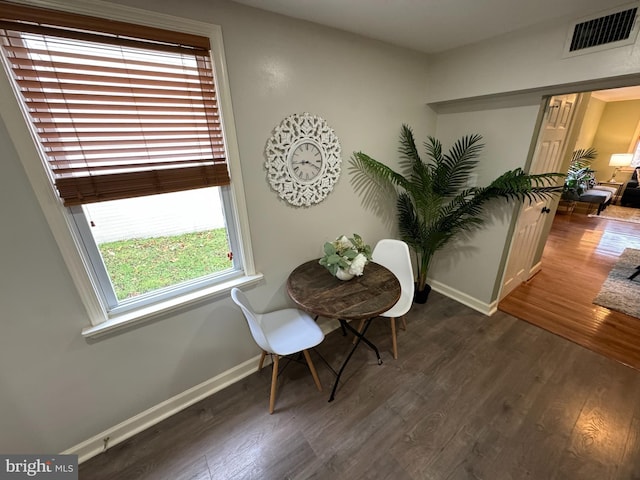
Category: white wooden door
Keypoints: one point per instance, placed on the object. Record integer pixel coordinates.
(547, 157)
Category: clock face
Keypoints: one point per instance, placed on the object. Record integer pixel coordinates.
(305, 162)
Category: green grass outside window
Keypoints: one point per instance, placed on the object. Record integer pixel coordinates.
(142, 265)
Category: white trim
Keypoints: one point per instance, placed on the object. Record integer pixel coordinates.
(58, 218)
(136, 424)
(471, 302)
(112, 11)
(139, 315)
(237, 185)
(534, 270)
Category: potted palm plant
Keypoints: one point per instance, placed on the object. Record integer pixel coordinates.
(580, 173)
(433, 199)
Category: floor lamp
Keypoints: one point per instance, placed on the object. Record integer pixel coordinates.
(618, 160)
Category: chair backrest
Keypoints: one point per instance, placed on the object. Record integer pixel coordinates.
(394, 255)
(253, 319)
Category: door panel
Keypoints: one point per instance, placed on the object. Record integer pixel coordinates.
(547, 157)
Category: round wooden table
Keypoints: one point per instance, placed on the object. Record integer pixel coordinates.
(316, 291)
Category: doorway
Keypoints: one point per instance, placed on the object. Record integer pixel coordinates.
(551, 146)
(580, 250)
(608, 120)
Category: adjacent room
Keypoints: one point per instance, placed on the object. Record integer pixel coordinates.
(173, 171)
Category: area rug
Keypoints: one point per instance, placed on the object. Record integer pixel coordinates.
(618, 292)
(624, 214)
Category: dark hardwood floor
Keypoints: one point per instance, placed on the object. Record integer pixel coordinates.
(578, 256)
(470, 397)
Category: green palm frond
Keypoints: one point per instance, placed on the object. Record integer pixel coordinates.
(455, 167)
(417, 171)
(433, 146)
(378, 171)
(432, 202)
(583, 156)
(407, 149)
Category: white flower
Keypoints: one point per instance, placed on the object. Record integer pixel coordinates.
(346, 254)
(343, 243)
(357, 264)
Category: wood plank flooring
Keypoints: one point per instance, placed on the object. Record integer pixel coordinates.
(577, 258)
(470, 397)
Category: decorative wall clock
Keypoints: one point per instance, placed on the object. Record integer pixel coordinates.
(303, 159)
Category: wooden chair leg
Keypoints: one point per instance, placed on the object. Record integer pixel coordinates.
(404, 323)
(262, 357)
(312, 367)
(393, 338)
(274, 383)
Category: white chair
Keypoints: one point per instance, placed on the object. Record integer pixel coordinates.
(280, 333)
(394, 255)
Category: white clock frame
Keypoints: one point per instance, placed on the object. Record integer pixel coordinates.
(292, 132)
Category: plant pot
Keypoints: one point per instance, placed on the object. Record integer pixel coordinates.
(570, 195)
(421, 296)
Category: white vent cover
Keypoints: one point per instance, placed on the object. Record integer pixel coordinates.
(614, 28)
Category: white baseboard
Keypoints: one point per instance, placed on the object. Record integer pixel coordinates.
(534, 269)
(471, 302)
(117, 434)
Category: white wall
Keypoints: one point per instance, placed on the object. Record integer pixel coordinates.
(157, 216)
(57, 389)
(472, 265)
(495, 88)
(527, 60)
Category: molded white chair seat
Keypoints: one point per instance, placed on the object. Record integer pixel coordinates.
(289, 331)
(394, 255)
(282, 332)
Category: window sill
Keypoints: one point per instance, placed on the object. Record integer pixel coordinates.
(129, 319)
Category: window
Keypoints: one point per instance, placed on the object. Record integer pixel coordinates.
(129, 127)
(635, 162)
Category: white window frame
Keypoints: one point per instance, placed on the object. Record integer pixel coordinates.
(60, 218)
(635, 149)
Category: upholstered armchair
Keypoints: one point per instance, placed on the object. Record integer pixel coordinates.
(631, 194)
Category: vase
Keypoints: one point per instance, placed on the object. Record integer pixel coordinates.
(342, 274)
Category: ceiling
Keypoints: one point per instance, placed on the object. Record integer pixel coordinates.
(617, 94)
(426, 25)
(433, 26)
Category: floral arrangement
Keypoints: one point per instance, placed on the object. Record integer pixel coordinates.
(347, 254)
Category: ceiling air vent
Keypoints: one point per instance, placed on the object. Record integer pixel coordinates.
(615, 29)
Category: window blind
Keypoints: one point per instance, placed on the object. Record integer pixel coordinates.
(119, 110)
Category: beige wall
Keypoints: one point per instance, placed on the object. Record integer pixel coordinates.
(529, 60)
(615, 134)
(492, 79)
(57, 389)
(473, 265)
(589, 124)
